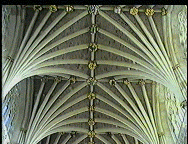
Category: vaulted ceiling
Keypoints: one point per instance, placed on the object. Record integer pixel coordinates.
(94, 73)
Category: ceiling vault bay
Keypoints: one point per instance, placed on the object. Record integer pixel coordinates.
(94, 74)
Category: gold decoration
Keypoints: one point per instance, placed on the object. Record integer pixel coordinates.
(117, 9)
(69, 9)
(163, 11)
(53, 8)
(37, 7)
(91, 122)
(91, 143)
(125, 81)
(92, 65)
(142, 82)
(134, 11)
(112, 82)
(91, 96)
(91, 134)
(93, 47)
(149, 12)
(91, 108)
(91, 81)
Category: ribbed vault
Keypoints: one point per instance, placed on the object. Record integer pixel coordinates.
(94, 73)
